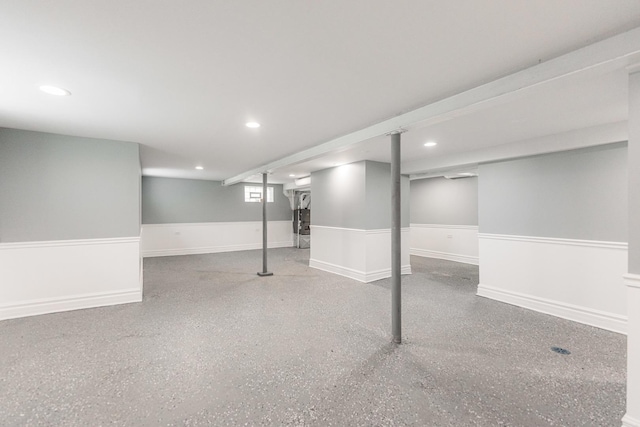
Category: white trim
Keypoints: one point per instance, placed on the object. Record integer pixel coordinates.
(632, 280)
(327, 227)
(213, 249)
(77, 242)
(212, 237)
(358, 275)
(452, 242)
(554, 240)
(363, 255)
(360, 230)
(76, 302)
(386, 231)
(62, 275)
(629, 421)
(600, 319)
(207, 224)
(445, 226)
(466, 259)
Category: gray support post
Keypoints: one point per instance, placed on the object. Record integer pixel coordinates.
(264, 271)
(396, 314)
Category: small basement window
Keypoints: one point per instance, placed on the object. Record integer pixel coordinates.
(254, 194)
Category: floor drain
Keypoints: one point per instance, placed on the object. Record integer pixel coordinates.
(560, 350)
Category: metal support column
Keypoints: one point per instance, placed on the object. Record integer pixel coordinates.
(264, 271)
(396, 315)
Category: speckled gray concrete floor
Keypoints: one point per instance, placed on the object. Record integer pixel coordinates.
(213, 344)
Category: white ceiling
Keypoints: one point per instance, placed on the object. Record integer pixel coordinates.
(182, 78)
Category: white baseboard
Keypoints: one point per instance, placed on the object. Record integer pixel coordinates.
(51, 276)
(213, 249)
(76, 302)
(609, 321)
(361, 276)
(629, 421)
(466, 259)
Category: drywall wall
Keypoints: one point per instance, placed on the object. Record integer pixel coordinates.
(356, 195)
(339, 196)
(553, 233)
(69, 223)
(444, 201)
(351, 221)
(378, 196)
(578, 194)
(58, 187)
(181, 201)
(444, 219)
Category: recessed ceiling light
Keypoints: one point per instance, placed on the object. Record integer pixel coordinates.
(466, 174)
(199, 168)
(54, 90)
(430, 144)
(291, 175)
(253, 125)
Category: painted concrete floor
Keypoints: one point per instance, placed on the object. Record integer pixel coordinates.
(213, 344)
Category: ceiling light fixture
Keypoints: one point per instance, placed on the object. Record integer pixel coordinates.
(199, 168)
(430, 144)
(252, 125)
(54, 90)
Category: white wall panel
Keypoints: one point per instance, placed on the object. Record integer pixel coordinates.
(579, 280)
(451, 242)
(212, 237)
(363, 255)
(52, 276)
(633, 349)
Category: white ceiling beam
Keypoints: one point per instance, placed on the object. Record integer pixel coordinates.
(616, 49)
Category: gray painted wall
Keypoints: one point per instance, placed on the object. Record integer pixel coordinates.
(171, 200)
(338, 196)
(378, 196)
(444, 201)
(579, 194)
(357, 195)
(57, 187)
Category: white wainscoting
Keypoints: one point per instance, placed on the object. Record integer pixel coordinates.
(212, 237)
(632, 417)
(578, 280)
(363, 255)
(63, 275)
(451, 242)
